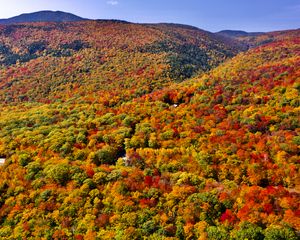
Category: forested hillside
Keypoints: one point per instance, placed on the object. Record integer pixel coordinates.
(147, 134)
(46, 62)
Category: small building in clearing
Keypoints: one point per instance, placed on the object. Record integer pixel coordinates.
(2, 161)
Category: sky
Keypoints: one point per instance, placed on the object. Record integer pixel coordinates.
(211, 15)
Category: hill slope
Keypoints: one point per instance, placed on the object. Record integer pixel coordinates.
(42, 16)
(215, 157)
(95, 57)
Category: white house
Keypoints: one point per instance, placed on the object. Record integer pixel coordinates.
(2, 161)
(126, 161)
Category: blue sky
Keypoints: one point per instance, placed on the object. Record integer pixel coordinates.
(212, 15)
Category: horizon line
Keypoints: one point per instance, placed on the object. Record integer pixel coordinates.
(123, 20)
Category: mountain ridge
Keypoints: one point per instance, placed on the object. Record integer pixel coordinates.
(238, 33)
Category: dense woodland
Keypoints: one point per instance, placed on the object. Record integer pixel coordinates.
(113, 130)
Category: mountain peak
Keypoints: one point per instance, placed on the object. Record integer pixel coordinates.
(43, 16)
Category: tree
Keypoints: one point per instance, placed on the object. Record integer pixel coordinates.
(59, 173)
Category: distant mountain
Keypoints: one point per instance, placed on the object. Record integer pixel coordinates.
(43, 16)
(254, 39)
(238, 33)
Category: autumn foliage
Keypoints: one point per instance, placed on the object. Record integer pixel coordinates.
(104, 138)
